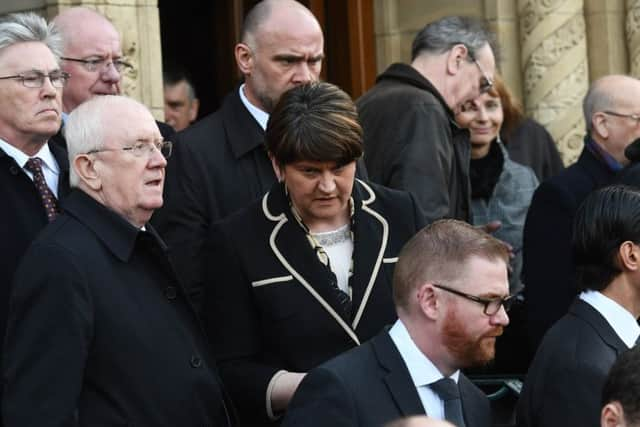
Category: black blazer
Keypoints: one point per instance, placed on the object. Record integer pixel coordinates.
(218, 166)
(564, 384)
(100, 332)
(22, 219)
(269, 303)
(548, 269)
(368, 387)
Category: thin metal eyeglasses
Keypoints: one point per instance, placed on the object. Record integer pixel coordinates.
(491, 305)
(100, 64)
(486, 83)
(626, 116)
(143, 148)
(35, 79)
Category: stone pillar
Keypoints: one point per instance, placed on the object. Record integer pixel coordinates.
(502, 16)
(138, 23)
(633, 36)
(555, 66)
(606, 37)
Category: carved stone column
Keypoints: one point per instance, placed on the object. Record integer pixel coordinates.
(633, 36)
(556, 71)
(606, 37)
(139, 26)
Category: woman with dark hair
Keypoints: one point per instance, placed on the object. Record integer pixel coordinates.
(304, 273)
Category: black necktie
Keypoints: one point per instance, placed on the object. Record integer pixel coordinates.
(448, 391)
(34, 165)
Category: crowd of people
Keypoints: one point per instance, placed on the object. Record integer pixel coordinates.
(298, 258)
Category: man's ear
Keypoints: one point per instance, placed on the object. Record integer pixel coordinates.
(84, 165)
(244, 58)
(455, 57)
(428, 301)
(629, 255)
(193, 110)
(612, 415)
(599, 124)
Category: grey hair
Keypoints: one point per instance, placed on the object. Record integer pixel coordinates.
(29, 27)
(256, 16)
(598, 98)
(440, 36)
(84, 130)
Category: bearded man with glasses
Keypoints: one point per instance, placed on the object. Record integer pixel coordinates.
(451, 294)
(410, 135)
(101, 332)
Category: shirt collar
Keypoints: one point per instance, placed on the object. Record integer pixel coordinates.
(21, 158)
(261, 117)
(622, 322)
(421, 369)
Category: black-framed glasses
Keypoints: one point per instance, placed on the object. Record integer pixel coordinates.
(626, 116)
(100, 64)
(491, 305)
(35, 79)
(142, 149)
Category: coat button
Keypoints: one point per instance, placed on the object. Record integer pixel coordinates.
(170, 293)
(196, 362)
(13, 170)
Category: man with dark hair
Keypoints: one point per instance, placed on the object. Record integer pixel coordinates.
(609, 109)
(621, 392)
(220, 164)
(410, 134)
(566, 377)
(180, 101)
(451, 294)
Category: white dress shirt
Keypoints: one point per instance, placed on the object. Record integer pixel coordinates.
(622, 322)
(422, 371)
(261, 117)
(50, 168)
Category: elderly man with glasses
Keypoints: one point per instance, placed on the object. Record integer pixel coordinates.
(33, 172)
(411, 139)
(451, 294)
(101, 332)
(92, 54)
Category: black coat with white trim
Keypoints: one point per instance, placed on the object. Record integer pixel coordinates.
(269, 305)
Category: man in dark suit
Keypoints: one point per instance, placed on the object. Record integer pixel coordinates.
(92, 54)
(220, 164)
(100, 332)
(32, 171)
(564, 383)
(411, 139)
(449, 286)
(610, 109)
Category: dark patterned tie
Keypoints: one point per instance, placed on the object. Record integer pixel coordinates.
(448, 391)
(34, 165)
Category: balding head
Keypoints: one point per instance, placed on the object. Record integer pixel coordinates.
(89, 36)
(282, 46)
(607, 108)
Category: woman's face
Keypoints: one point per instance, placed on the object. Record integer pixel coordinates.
(483, 116)
(320, 192)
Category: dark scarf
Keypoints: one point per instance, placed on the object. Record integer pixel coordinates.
(484, 173)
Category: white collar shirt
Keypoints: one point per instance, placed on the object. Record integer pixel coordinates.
(621, 320)
(421, 370)
(261, 117)
(50, 168)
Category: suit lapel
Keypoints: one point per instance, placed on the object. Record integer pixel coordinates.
(61, 157)
(371, 235)
(289, 244)
(590, 315)
(473, 413)
(397, 379)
